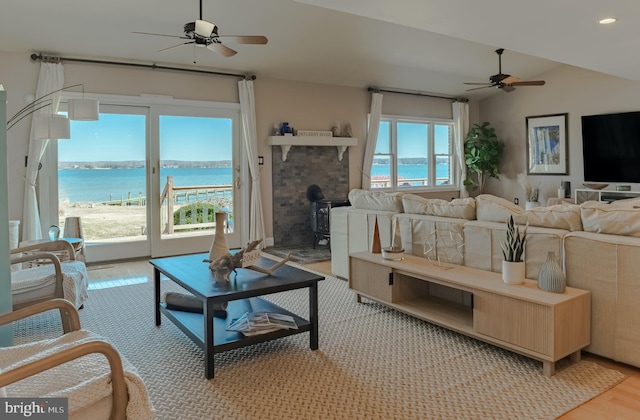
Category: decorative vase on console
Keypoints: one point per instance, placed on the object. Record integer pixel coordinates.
(551, 278)
(513, 267)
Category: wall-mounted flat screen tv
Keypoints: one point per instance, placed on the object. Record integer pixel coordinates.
(611, 147)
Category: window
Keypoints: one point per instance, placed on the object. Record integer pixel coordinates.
(148, 176)
(413, 153)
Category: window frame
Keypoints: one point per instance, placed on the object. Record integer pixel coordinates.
(154, 104)
(431, 122)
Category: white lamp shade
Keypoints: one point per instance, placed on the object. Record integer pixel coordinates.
(48, 126)
(82, 109)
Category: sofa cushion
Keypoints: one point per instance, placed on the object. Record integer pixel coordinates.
(433, 237)
(560, 216)
(376, 200)
(627, 203)
(490, 208)
(460, 208)
(614, 219)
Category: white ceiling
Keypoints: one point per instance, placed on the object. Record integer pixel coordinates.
(415, 45)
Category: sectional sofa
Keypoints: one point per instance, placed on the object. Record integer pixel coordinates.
(598, 244)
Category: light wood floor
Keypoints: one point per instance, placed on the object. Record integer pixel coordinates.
(622, 402)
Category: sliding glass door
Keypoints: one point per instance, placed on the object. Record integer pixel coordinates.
(197, 174)
(102, 179)
(146, 179)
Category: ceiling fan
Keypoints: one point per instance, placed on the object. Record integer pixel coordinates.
(202, 33)
(503, 81)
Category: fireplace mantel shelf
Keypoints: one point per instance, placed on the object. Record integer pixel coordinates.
(285, 142)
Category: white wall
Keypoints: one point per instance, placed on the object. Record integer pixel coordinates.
(304, 105)
(568, 90)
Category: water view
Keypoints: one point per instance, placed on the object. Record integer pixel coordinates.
(103, 185)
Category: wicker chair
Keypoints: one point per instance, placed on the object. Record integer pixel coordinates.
(48, 270)
(79, 365)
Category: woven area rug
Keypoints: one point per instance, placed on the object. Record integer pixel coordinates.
(372, 363)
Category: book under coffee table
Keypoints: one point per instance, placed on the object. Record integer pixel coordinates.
(243, 294)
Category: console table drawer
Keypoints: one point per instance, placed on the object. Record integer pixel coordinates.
(521, 323)
(371, 279)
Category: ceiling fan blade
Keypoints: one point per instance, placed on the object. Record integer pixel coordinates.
(483, 87)
(510, 80)
(244, 39)
(507, 88)
(528, 83)
(176, 46)
(149, 33)
(483, 84)
(222, 49)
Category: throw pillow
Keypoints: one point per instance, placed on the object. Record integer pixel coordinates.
(496, 209)
(600, 217)
(376, 200)
(460, 208)
(490, 208)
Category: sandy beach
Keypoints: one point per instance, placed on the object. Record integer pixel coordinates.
(104, 222)
(101, 221)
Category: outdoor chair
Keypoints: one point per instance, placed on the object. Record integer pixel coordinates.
(48, 270)
(79, 365)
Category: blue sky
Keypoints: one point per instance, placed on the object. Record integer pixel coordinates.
(118, 137)
(412, 139)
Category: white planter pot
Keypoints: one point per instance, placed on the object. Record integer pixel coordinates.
(513, 272)
(531, 204)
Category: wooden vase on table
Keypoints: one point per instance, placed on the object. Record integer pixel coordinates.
(219, 245)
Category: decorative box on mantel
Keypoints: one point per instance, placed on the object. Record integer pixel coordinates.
(285, 142)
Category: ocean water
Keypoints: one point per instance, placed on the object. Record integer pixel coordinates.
(412, 171)
(99, 185)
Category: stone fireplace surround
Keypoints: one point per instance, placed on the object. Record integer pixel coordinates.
(304, 166)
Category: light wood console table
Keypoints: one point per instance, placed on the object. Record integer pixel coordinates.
(522, 318)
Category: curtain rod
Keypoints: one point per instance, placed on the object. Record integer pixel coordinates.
(45, 58)
(374, 89)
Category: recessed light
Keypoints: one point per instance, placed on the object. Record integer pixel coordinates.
(607, 21)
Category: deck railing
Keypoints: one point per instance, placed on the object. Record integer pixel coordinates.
(188, 198)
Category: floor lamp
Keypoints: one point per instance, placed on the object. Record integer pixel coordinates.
(54, 126)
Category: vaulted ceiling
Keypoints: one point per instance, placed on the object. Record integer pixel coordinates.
(416, 45)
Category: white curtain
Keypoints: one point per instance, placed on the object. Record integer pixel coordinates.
(372, 139)
(51, 78)
(248, 110)
(460, 129)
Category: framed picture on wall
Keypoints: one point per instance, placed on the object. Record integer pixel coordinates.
(547, 148)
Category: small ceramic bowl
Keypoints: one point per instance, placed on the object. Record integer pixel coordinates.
(391, 254)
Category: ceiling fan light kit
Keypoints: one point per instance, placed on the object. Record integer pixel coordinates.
(506, 82)
(201, 28)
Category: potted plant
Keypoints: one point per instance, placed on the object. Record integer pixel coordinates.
(482, 154)
(512, 251)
